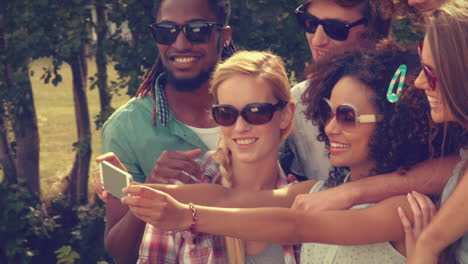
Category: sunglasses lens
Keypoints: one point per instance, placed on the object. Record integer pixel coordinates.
(224, 115)
(195, 32)
(198, 32)
(430, 76)
(164, 34)
(336, 30)
(326, 111)
(346, 116)
(307, 21)
(257, 114)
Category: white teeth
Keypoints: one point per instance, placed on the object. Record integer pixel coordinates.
(337, 145)
(184, 59)
(245, 141)
(321, 53)
(433, 100)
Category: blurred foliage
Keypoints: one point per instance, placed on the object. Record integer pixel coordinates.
(33, 232)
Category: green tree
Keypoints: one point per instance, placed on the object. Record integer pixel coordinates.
(19, 137)
(101, 81)
(68, 36)
(271, 25)
(134, 55)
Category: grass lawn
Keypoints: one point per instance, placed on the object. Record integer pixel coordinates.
(56, 118)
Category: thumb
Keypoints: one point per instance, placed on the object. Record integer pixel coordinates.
(191, 153)
(291, 178)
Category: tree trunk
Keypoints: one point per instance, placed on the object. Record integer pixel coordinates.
(26, 134)
(78, 177)
(19, 113)
(101, 61)
(6, 157)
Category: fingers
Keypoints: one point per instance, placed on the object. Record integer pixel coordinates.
(417, 214)
(191, 153)
(181, 161)
(300, 203)
(424, 207)
(404, 221)
(144, 192)
(291, 178)
(98, 188)
(112, 159)
(176, 165)
(432, 206)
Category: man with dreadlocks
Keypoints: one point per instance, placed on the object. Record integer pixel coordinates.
(171, 108)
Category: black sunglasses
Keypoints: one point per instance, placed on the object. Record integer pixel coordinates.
(197, 32)
(254, 114)
(346, 115)
(335, 29)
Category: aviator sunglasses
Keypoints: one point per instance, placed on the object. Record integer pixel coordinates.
(197, 32)
(431, 77)
(346, 115)
(254, 114)
(335, 29)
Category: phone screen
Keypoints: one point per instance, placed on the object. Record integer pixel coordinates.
(114, 179)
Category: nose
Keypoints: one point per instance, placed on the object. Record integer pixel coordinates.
(421, 81)
(320, 38)
(181, 42)
(332, 127)
(241, 124)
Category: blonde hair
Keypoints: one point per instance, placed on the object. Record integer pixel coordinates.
(448, 38)
(260, 65)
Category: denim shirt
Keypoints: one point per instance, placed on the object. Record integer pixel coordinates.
(302, 154)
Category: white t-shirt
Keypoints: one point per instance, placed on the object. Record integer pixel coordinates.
(209, 136)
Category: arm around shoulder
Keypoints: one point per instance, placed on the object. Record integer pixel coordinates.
(428, 177)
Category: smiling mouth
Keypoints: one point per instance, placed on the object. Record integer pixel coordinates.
(245, 141)
(183, 59)
(433, 101)
(339, 146)
(320, 54)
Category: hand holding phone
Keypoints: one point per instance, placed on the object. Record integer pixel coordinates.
(114, 179)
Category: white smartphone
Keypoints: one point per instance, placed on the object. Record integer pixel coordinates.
(114, 179)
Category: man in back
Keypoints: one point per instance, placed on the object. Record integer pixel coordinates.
(171, 108)
(331, 26)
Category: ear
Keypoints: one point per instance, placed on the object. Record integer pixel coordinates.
(226, 34)
(287, 115)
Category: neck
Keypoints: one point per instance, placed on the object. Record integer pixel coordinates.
(259, 175)
(357, 173)
(191, 108)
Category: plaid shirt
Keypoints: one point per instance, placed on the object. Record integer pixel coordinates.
(173, 247)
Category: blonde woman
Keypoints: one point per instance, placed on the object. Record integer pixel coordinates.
(254, 109)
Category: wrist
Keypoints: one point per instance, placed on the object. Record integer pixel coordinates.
(192, 223)
(428, 243)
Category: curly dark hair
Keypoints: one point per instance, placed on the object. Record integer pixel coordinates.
(402, 137)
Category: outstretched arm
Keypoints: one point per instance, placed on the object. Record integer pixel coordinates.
(428, 177)
(448, 225)
(376, 223)
(219, 196)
